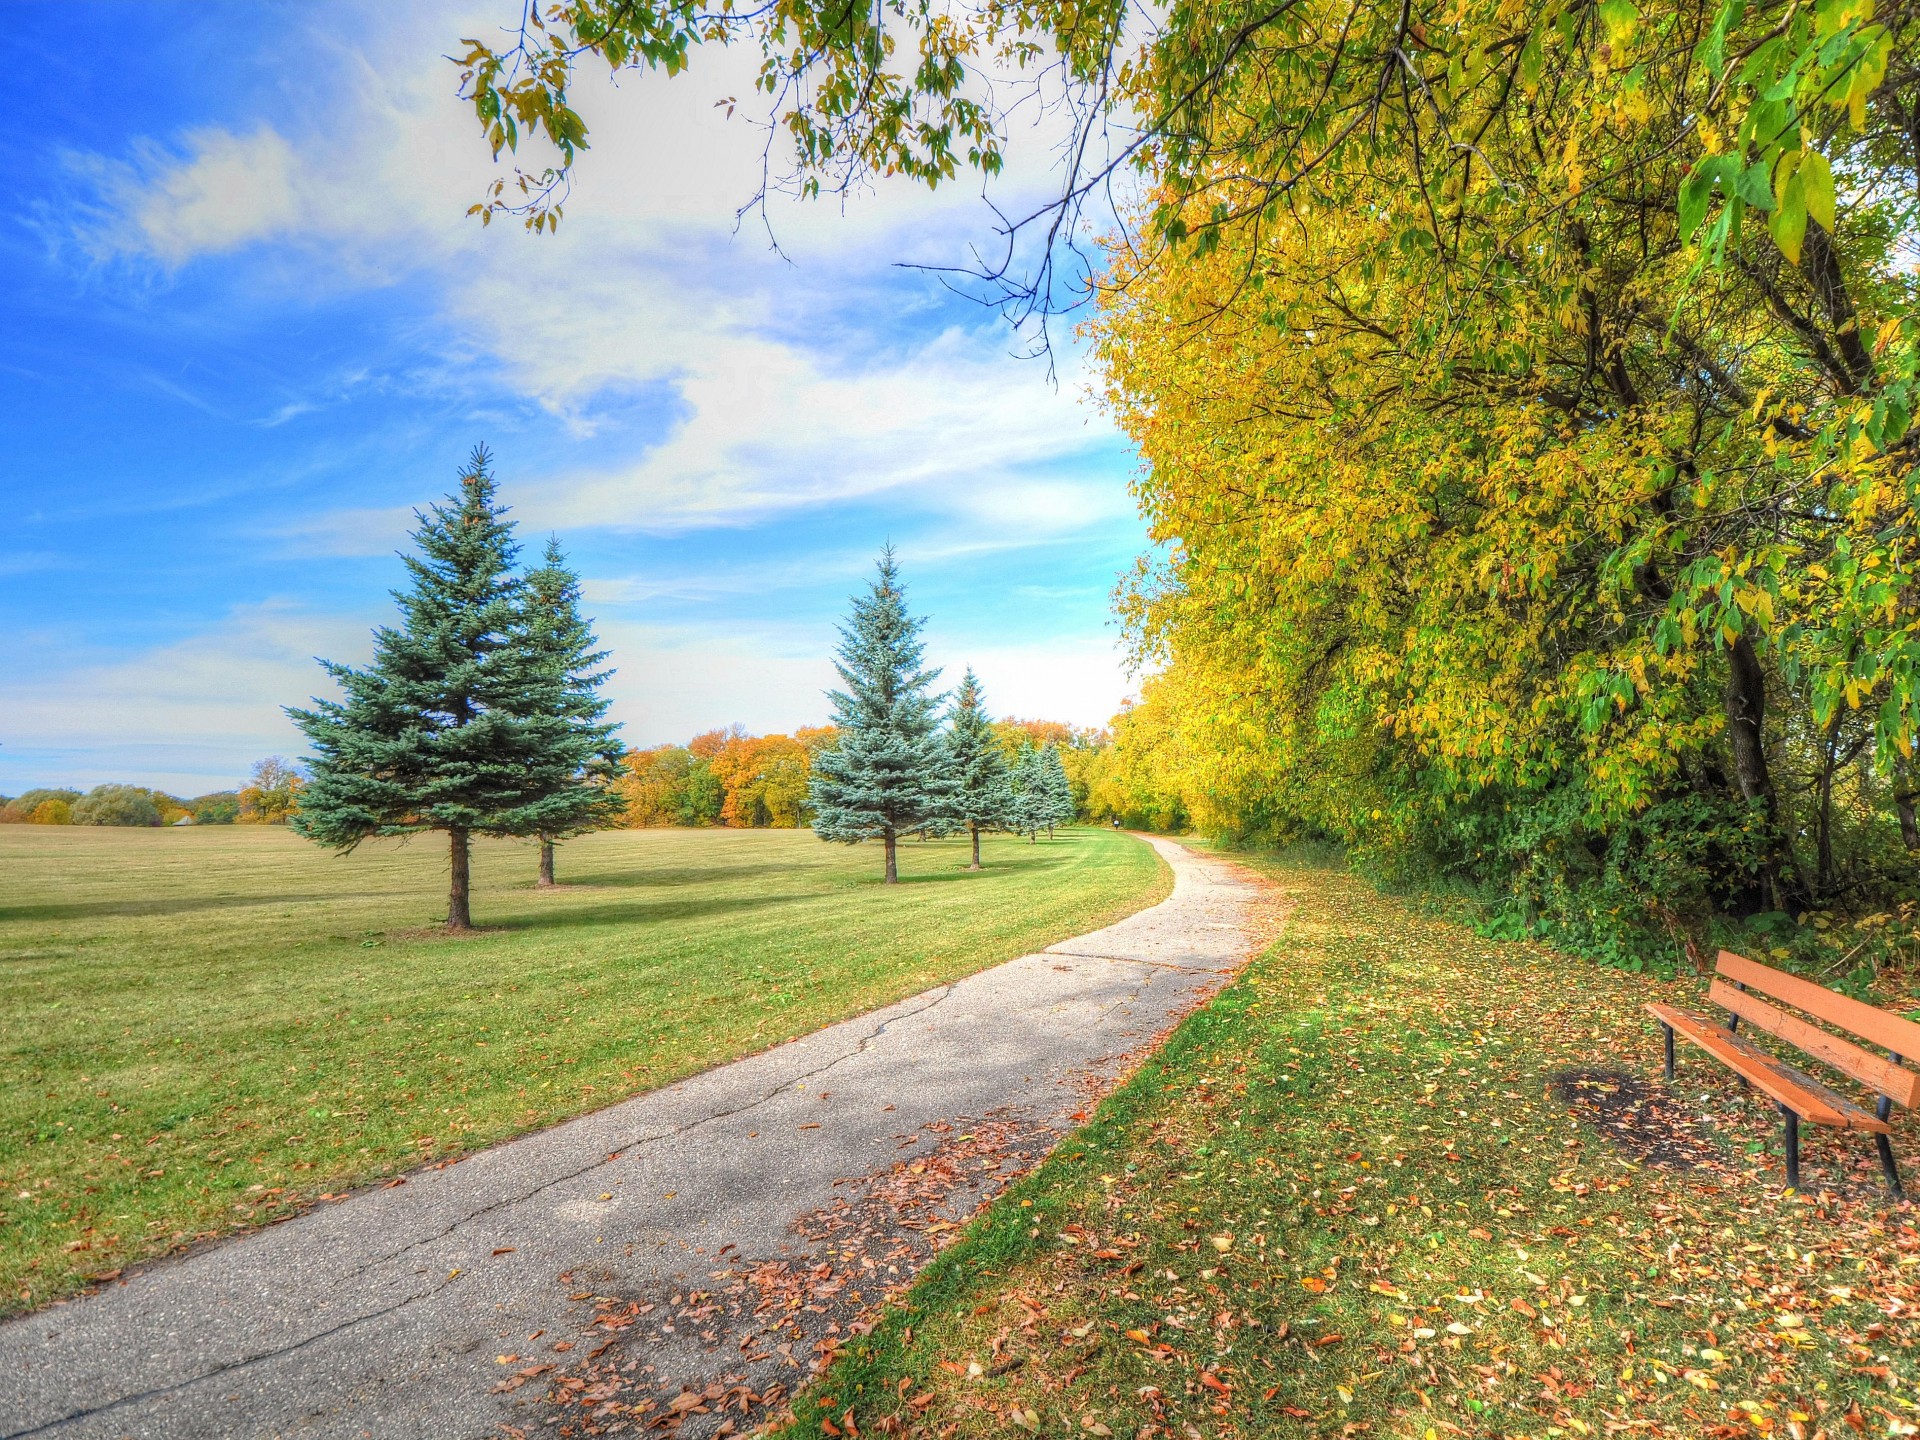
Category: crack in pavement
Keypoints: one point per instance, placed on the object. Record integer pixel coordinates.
(630, 1146)
(227, 1368)
(218, 1319)
(935, 997)
(1139, 960)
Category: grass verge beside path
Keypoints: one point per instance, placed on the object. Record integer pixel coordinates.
(207, 1029)
(1350, 1197)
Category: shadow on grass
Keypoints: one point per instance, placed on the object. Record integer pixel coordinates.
(649, 879)
(184, 905)
(638, 912)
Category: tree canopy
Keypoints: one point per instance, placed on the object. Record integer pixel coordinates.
(1526, 393)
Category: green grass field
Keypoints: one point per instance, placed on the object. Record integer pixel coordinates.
(205, 1029)
(1394, 1183)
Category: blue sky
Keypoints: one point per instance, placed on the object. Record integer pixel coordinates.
(247, 329)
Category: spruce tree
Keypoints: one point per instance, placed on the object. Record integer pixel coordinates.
(886, 773)
(981, 796)
(580, 755)
(1028, 812)
(1057, 788)
(449, 727)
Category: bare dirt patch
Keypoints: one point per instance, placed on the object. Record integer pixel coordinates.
(1645, 1121)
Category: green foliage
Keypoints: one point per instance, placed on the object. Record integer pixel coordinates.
(885, 774)
(21, 809)
(579, 752)
(116, 805)
(477, 715)
(220, 807)
(981, 797)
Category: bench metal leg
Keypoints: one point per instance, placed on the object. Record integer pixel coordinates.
(1669, 1030)
(1793, 1147)
(1887, 1167)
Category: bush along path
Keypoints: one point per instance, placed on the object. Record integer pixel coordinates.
(1400, 1180)
(684, 1260)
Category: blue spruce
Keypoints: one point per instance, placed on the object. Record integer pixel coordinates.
(581, 754)
(886, 773)
(452, 727)
(981, 796)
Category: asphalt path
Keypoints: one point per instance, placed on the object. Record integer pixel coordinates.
(686, 1239)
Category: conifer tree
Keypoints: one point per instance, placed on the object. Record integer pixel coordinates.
(1056, 788)
(1027, 814)
(886, 773)
(581, 756)
(449, 728)
(982, 795)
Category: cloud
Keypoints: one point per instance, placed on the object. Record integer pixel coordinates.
(702, 381)
(214, 696)
(229, 191)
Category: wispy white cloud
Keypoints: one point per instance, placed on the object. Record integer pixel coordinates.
(784, 383)
(217, 691)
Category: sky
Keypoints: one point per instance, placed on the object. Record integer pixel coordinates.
(246, 329)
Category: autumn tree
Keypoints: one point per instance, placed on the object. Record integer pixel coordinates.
(764, 779)
(115, 805)
(981, 796)
(884, 774)
(452, 727)
(1526, 393)
(271, 792)
(579, 752)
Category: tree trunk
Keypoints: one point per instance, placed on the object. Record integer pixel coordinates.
(1746, 712)
(976, 847)
(1904, 795)
(459, 917)
(1823, 813)
(893, 870)
(546, 863)
(1746, 707)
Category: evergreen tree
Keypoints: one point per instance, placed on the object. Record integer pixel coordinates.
(886, 773)
(981, 796)
(580, 755)
(1056, 789)
(1028, 812)
(449, 728)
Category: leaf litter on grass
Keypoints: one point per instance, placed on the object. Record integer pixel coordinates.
(701, 1362)
(1405, 1181)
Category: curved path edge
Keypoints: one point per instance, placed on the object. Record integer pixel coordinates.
(720, 1232)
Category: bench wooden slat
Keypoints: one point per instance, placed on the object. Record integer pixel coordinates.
(1898, 1083)
(1801, 1093)
(1895, 1033)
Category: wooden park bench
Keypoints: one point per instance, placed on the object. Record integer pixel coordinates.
(1738, 985)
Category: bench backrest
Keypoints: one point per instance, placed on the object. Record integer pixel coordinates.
(1878, 1027)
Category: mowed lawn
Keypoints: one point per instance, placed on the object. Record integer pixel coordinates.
(1396, 1181)
(204, 1029)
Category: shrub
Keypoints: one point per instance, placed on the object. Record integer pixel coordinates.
(220, 808)
(19, 810)
(116, 805)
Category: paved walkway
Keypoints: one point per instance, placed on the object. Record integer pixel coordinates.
(691, 1253)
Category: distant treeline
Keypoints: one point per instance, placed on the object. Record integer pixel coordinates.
(267, 799)
(730, 778)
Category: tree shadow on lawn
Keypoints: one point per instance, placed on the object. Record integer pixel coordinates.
(134, 909)
(644, 879)
(638, 911)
